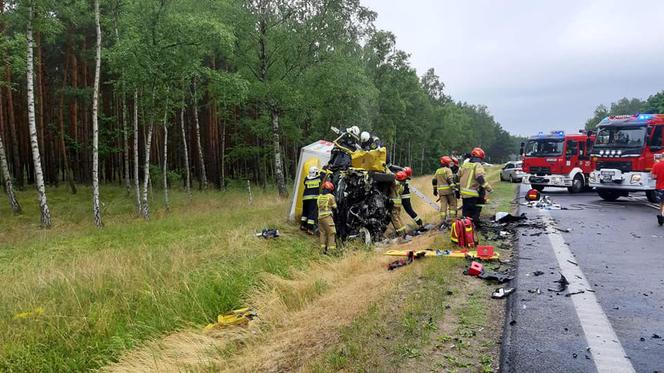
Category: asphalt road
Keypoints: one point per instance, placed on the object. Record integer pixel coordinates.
(614, 252)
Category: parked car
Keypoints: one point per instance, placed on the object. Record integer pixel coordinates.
(512, 172)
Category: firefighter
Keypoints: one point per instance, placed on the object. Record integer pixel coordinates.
(309, 197)
(396, 190)
(455, 167)
(658, 174)
(473, 185)
(444, 186)
(405, 197)
(326, 206)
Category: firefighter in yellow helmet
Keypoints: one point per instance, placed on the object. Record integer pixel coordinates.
(310, 194)
(473, 185)
(396, 190)
(444, 186)
(328, 232)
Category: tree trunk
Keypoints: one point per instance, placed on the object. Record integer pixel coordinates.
(96, 208)
(136, 167)
(66, 167)
(146, 169)
(4, 166)
(186, 150)
(223, 155)
(166, 204)
(278, 166)
(11, 118)
(9, 186)
(204, 182)
(125, 137)
(34, 141)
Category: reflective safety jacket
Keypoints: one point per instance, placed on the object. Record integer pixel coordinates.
(443, 181)
(406, 190)
(311, 187)
(396, 190)
(326, 202)
(468, 175)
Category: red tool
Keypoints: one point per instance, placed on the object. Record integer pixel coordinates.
(475, 269)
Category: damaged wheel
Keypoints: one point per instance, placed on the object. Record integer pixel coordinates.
(365, 237)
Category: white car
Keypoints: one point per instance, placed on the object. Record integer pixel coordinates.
(512, 172)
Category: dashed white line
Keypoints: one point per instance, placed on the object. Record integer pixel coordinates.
(608, 353)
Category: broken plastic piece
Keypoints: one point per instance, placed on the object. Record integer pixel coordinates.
(502, 293)
(239, 317)
(268, 233)
(503, 217)
(495, 276)
(538, 273)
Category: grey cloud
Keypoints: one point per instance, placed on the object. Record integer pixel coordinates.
(537, 65)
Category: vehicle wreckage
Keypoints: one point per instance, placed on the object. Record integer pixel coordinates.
(362, 177)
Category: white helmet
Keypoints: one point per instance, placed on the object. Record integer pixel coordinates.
(355, 130)
(313, 171)
(365, 136)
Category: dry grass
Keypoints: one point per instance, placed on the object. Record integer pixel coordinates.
(299, 318)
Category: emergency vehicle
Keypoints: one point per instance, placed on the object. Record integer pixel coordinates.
(558, 160)
(624, 154)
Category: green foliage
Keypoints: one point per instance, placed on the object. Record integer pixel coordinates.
(624, 106)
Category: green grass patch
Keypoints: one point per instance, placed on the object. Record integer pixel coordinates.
(75, 297)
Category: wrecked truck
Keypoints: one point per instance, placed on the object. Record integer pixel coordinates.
(362, 181)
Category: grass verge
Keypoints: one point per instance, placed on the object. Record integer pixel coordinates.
(75, 298)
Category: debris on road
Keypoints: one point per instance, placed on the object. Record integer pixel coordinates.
(538, 273)
(504, 217)
(563, 283)
(535, 291)
(500, 277)
(655, 336)
(573, 262)
(502, 293)
(575, 293)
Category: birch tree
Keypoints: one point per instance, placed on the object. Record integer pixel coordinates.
(197, 133)
(96, 208)
(32, 123)
(137, 185)
(185, 148)
(165, 169)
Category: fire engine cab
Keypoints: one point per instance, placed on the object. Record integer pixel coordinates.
(624, 154)
(558, 160)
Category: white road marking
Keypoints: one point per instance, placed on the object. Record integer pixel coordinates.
(608, 354)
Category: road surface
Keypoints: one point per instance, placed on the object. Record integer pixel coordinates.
(614, 252)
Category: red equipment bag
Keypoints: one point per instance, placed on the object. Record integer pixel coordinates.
(462, 233)
(485, 252)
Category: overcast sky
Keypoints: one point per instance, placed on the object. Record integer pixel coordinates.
(537, 65)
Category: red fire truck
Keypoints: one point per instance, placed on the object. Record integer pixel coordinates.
(558, 160)
(624, 154)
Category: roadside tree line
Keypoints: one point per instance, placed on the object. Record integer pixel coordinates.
(628, 106)
(197, 93)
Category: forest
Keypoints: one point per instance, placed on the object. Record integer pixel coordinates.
(202, 94)
(628, 106)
